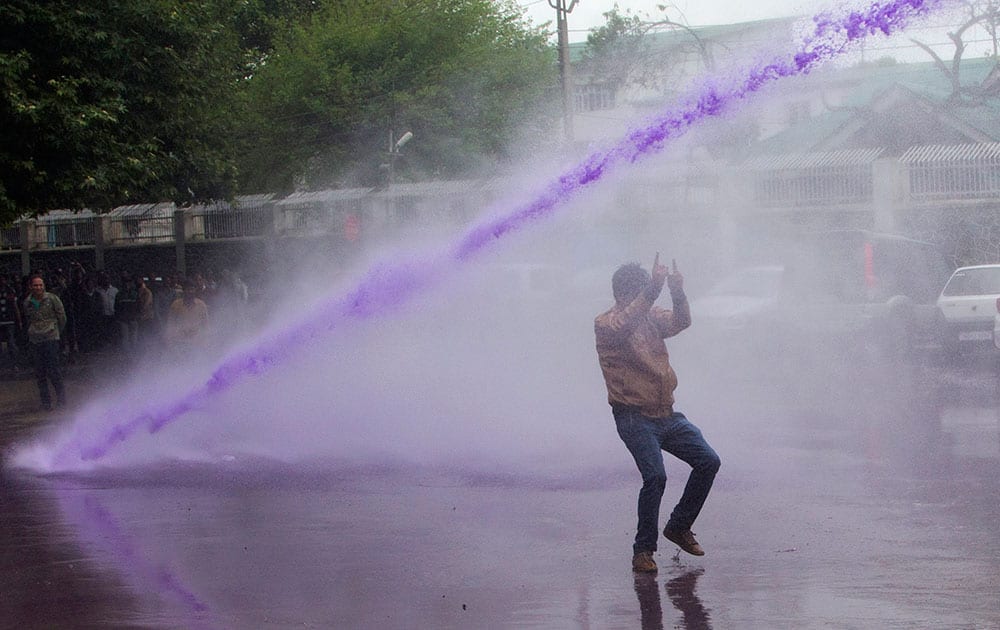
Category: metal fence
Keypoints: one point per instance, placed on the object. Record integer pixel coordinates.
(249, 217)
(10, 237)
(140, 230)
(931, 173)
(300, 220)
(843, 185)
(71, 232)
(233, 223)
(832, 178)
(953, 172)
(322, 212)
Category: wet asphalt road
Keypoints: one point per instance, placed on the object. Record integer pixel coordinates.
(854, 502)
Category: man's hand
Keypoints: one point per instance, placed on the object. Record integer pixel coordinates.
(660, 273)
(656, 279)
(675, 281)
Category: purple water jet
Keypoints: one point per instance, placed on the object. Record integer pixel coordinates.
(388, 287)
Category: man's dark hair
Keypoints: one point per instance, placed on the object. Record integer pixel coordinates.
(628, 281)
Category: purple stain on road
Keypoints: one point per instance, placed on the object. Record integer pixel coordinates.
(387, 287)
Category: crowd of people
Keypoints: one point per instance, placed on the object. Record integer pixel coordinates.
(119, 313)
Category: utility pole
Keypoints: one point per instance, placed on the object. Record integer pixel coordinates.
(562, 11)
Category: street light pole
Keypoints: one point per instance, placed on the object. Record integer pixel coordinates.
(562, 26)
(394, 147)
(394, 152)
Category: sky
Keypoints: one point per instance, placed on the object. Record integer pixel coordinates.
(588, 14)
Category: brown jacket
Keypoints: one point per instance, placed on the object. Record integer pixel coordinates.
(634, 357)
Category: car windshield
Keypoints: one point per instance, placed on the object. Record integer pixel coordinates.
(974, 281)
(758, 282)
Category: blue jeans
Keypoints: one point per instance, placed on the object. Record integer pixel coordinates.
(45, 356)
(645, 437)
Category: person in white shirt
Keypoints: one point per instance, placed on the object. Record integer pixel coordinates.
(109, 327)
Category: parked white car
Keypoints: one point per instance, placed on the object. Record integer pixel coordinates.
(969, 304)
(996, 327)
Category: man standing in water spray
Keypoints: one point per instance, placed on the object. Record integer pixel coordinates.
(641, 385)
(46, 319)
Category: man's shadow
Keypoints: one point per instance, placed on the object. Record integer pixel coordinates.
(680, 590)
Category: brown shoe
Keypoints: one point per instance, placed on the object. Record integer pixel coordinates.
(643, 562)
(685, 540)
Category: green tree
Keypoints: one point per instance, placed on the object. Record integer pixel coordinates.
(110, 102)
(462, 75)
(639, 50)
(615, 49)
(259, 22)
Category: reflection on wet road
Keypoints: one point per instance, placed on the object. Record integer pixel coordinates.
(859, 503)
(681, 593)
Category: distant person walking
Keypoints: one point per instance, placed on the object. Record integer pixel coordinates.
(641, 385)
(45, 318)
